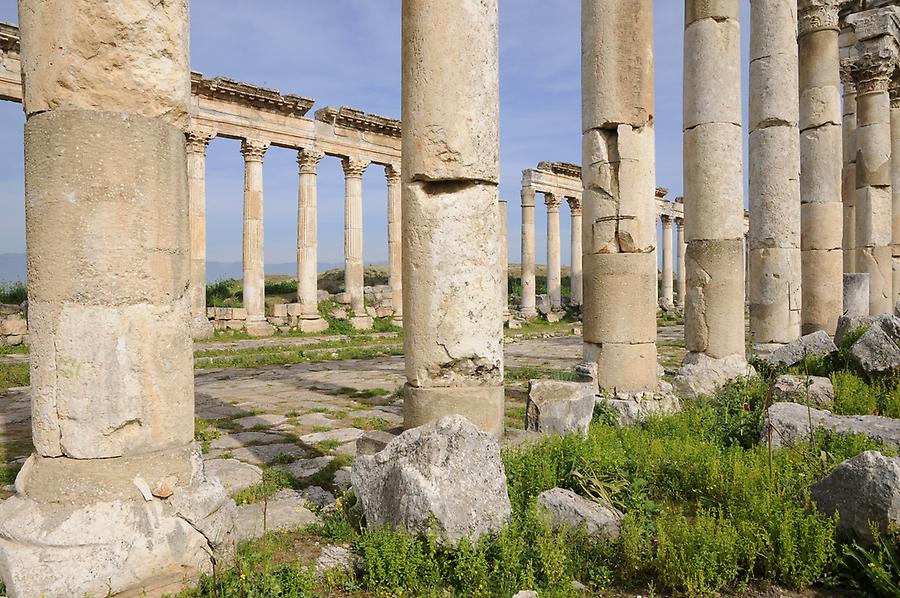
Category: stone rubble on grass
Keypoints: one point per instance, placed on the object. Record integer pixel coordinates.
(877, 350)
(633, 408)
(817, 344)
(284, 511)
(335, 557)
(702, 375)
(862, 489)
(234, 475)
(790, 424)
(793, 389)
(342, 479)
(526, 594)
(568, 509)
(849, 324)
(265, 453)
(317, 496)
(556, 407)
(445, 476)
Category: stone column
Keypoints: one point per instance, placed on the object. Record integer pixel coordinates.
(504, 239)
(713, 181)
(682, 249)
(774, 239)
(451, 249)
(848, 174)
(876, 61)
(822, 209)
(668, 294)
(114, 498)
(354, 279)
(197, 141)
(554, 263)
(308, 243)
(576, 278)
(895, 188)
(528, 299)
(254, 151)
(395, 241)
(619, 172)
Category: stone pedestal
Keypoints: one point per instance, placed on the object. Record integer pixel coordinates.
(576, 275)
(528, 303)
(308, 242)
(254, 282)
(114, 499)
(453, 315)
(395, 241)
(856, 294)
(353, 239)
(554, 263)
(197, 141)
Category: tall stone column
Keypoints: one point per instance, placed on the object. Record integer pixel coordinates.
(822, 209)
(682, 249)
(451, 252)
(554, 263)
(848, 173)
(895, 187)
(877, 52)
(528, 299)
(576, 277)
(114, 498)
(619, 172)
(308, 242)
(395, 241)
(354, 279)
(254, 150)
(774, 240)
(668, 294)
(197, 141)
(504, 237)
(713, 181)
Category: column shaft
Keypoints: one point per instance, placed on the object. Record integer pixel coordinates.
(354, 275)
(848, 173)
(682, 249)
(254, 151)
(504, 237)
(197, 141)
(667, 277)
(395, 241)
(554, 263)
(308, 242)
(895, 189)
(528, 299)
(576, 277)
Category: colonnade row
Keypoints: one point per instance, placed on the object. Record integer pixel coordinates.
(254, 151)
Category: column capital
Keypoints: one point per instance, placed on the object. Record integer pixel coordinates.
(308, 160)
(197, 139)
(254, 149)
(392, 174)
(894, 90)
(528, 197)
(552, 201)
(877, 49)
(847, 77)
(679, 223)
(666, 220)
(354, 167)
(818, 15)
(574, 204)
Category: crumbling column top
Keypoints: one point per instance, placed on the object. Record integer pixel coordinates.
(354, 167)
(254, 150)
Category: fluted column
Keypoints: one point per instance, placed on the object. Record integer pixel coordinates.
(528, 299)
(895, 187)
(451, 247)
(619, 176)
(395, 241)
(774, 240)
(713, 180)
(308, 242)
(876, 61)
(554, 263)
(668, 294)
(254, 151)
(504, 237)
(682, 248)
(197, 142)
(848, 173)
(354, 282)
(576, 277)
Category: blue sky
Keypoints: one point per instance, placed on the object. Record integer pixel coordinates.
(347, 52)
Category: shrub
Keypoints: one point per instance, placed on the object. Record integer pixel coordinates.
(13, 292)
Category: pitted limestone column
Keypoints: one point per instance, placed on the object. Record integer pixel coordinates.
(354, 275)
(554, 263)
(619, 172)
(877, 48)
(576, 276)
(308, 242)
(114, 499)
(822, 209)
(395, 241)
(774, 240)
(528, 299)
(254, 150)
(451, 249)
(848, 174)
(197, 141)
(504, 237)
(668, 291)
(895, 187)
(682, 249)
(713, 180)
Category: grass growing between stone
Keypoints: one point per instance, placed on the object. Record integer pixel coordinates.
(13, 375)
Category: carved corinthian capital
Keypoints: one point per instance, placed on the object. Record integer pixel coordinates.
(552, 202)
(817, 15)
(308, 160)
(198, 139)
(877, 48)
(574, 205)
(254, 149)
(354, 167)
(894, 90)
(392, 174)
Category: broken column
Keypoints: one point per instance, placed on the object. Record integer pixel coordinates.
(395, 241)
(554, 263)
(354, 274)
(254, 150)
(576, 277)
(713, 180)
(619, 173)
(114, 499)
(308, 243)
(197, 141)
(774, 240)
(668, 292)
(451, 249)
(876, 50)
(528, 301)
(848, 172)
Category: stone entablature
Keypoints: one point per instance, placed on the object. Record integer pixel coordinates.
(261, 98)
(351, 118)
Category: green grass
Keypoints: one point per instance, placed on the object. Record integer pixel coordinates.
(14, 349)
(13, 374)
(535, 373)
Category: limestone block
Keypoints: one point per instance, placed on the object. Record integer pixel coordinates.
(774, 178)
(821, 225)
(13, 326)
(820, 168)
(569, 510)
(71, 48)
(481, 405)
(877, 262)
(817, 344)
(280, 310)
(874, 216)
(624, 367)
(317, 325)
(294, 309)
(238, 313)
(632, 409)
(342, 298)
(374, 441)
(450, 60)
(774, 294)
(362, 322)
(282, 512)
(623, 287)
(556, 407)
(773, 78)
(259, 328)
(713, 43)
(234, 324)
(821, 288)
(856, 295)
(877, 351)
(702, 375)
(816, 390)
(714, 301)
(695, 10)
(873, 160)
(717, 151)
(790, 423)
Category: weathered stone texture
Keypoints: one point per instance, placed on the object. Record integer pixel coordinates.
(556, 407)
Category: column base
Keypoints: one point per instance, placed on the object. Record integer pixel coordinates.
(481, 405)
(555, 316)
(397, 321)
(362, 322)
(528, 313)
(117, 532)
(702, 375)
(257, 327)
(314, 324)
(201, 328)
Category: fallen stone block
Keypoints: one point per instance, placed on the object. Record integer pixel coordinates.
(305, 468)
(556, 407)
(702, 375)
(335, 557)
(848, 324)
(877, 350)
(634, 408)
(374, 441)
(816, 390)
(817, 344)
(568, 509)
(234, 475)
(790, 423)
(284, 511)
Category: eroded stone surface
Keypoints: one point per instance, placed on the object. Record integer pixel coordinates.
(282, 512)
(790, 423)
(562, 408)
(568, 509)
